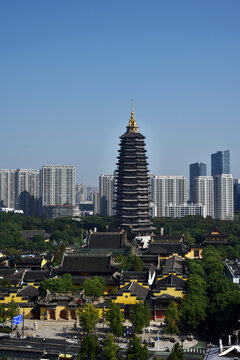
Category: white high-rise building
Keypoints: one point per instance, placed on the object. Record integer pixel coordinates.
(81, 193)
(58, 185)
(106, 194)
(177, 211)
(203, 193)
(28, 191)
(223, 197)
(19, 189)
(168, 190)
(8, 188)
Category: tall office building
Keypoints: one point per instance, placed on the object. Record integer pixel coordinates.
(8, 188)
(28, 191)
(96, 203)
(220, 162)
(223, 197)
(196, 169)
(106, 194)
(58, 185)
(236, 195)
(203, 193)
(167, 190)
(132, 183)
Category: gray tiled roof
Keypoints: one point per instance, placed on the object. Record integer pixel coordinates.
(105, 240)
(89, 263)
(174, 264)
(170, 280)
(135, 289)
(131, 275)
(166, 248)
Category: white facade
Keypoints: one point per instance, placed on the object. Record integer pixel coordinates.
(106, 194)
(58, 185)
(203, 193)
(19, 189)
(177, 211)
(81, 193)
(168, 190)
(8, 188)
(223, 197)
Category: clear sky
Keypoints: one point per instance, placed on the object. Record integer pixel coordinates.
(68, 71)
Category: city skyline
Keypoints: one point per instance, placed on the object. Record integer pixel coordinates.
(69, 71)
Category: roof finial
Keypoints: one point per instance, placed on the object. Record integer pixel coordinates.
(132, 121)
(132, 106)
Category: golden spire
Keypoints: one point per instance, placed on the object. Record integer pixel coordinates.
(132, 122)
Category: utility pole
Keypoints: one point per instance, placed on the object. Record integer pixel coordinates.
(23, 323)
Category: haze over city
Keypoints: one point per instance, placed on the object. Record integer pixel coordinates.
(70, 69)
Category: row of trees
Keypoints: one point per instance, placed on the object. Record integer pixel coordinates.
(91, 349)
(70, 232)
(194, 227)
(63, 230)
(89, 316)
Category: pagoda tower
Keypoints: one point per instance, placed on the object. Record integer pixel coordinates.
(132, 201)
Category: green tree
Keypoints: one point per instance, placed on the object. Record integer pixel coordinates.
(56, 284)
(188, 238)
(176, 353)
(115, 318)
(94, 287)
(136, 351)
(140, 316)
(89, 348)
(131, 263)
(171, 319)
(88, 317)
(12, 309)
(193, 310)
(110, 349)
(3, 314)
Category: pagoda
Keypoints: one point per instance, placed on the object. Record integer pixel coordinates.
(132, 201)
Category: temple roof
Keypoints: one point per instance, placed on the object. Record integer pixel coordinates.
(174, 264)
(134, 275)
(89, 263)
(135, 289)
(166, 248)
(106, 240)
(171, 280)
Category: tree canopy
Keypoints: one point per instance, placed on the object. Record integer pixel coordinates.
(56, 284)
(130, 263)
(110, 349)
(212, 300)
(94, 287)
(172, 318)
(115, 318)
(12, 309)
(89, 348)
(176, 353)
(140, 316)
(88, 317)
(136, 351)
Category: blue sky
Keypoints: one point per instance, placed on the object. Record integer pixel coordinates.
(69, 69)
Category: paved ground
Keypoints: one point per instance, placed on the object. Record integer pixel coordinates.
(60, 329)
